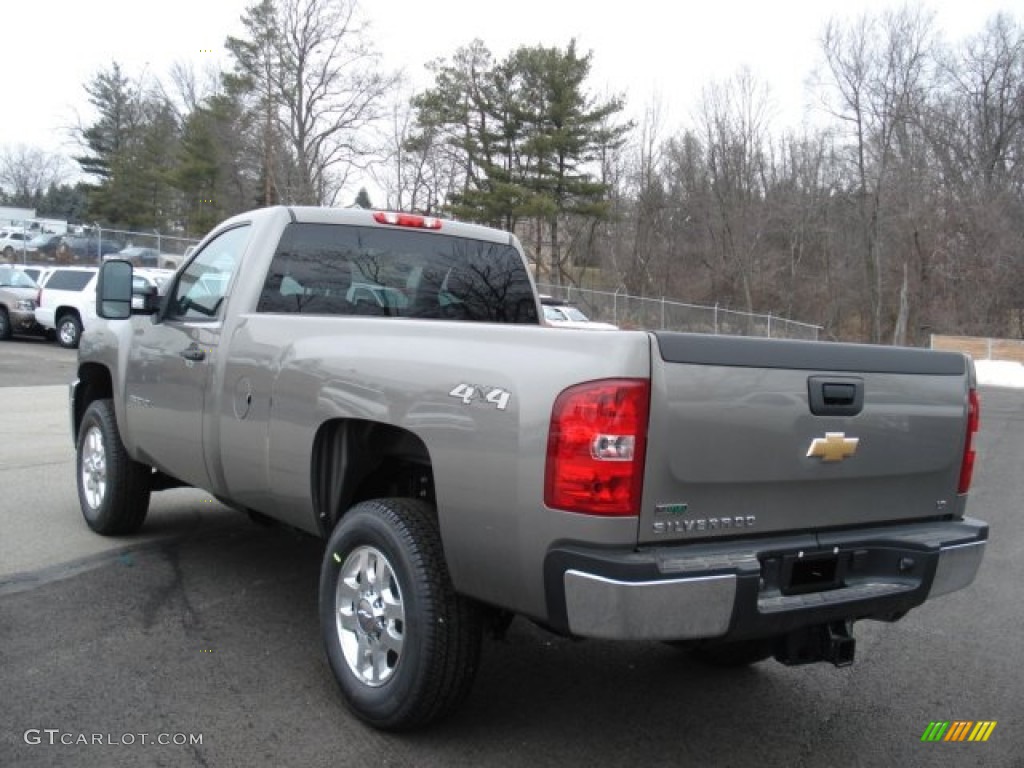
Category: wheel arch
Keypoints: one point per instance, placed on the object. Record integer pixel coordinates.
(356, 459)
(94, 383)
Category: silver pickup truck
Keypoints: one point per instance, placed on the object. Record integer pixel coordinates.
(384, 381)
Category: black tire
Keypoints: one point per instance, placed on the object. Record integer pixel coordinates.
(5, 325)
(740, 653)
(69, 330)
(416, 639)
(113, 489)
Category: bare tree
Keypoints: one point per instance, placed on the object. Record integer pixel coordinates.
(27, 172)
(734, 121)
(647, 248)
(979, 117)
(975, 128)
(319, 79)
(190, 88)
(878, 72)
(807, 279)
(419, 169)
(256, 66)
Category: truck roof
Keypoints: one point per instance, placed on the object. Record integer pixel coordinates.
(372, 218)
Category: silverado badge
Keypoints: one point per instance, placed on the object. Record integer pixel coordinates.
(834, 446)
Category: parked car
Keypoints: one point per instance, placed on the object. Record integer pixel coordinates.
(67, 301)
(138, 255)
(18, 294)
(13, 241)
(43, 247)
(171, 261)
(561, 314)
(37, 272)
(88, 249)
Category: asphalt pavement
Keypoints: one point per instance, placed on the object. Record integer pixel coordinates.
(197, 644)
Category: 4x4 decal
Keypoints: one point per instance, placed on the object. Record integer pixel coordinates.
(496, 396)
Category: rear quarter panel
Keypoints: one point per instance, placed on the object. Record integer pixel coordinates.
(488, 462)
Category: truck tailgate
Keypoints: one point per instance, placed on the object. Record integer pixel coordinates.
(755, 436)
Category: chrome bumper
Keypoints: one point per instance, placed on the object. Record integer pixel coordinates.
(740, 588)
(649, 610)
(958, 565)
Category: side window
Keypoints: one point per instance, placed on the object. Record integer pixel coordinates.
(69, 280)
(201, 288)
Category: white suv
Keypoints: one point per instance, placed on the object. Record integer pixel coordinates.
(67, 300)
(13, 242)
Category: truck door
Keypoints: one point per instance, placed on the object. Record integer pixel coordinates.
(173, 360)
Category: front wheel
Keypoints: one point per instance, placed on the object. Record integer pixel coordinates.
(69, 331)
(5, 325)
(403, 645)
(113, 489)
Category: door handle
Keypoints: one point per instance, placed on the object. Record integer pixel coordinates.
(193, 352)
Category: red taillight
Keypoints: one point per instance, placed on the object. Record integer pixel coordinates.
(596, 446)
(973, 423)
(406, 220)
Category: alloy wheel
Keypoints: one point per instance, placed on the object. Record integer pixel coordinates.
(370, 616)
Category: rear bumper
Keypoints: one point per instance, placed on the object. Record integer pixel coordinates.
(44, 317)
(759, 587)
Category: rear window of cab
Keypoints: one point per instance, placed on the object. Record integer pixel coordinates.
(334, 269)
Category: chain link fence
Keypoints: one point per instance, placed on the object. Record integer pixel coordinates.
(643, 313)
(621, 309)
(89, 245)
(981, 347)
(169, 250)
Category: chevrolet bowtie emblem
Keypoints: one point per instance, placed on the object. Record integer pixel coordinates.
(834, 446)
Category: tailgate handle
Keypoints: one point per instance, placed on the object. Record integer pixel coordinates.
(839, 394)
(835, 395)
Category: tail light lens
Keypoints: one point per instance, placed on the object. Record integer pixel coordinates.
(596, 447)
(973, 423)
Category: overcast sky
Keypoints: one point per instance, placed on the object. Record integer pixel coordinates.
(640, 49)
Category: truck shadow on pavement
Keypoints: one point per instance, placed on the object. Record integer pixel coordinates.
(216, 632)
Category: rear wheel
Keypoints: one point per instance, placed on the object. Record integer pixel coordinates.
(5, 325)
(113, 489)
(403, 645)
(69, 330)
